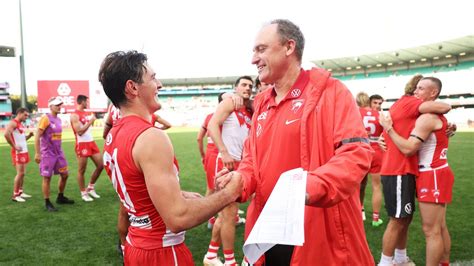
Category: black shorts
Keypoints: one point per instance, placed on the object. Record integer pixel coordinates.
(399, 194)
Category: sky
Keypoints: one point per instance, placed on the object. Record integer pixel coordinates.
(68, 39)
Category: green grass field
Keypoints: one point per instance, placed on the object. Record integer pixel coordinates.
(85, 234)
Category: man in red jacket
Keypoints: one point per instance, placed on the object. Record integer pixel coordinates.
(306, 119)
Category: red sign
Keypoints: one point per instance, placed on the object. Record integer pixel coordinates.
(67, 90)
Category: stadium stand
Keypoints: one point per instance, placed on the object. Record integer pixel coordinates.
(187, 101)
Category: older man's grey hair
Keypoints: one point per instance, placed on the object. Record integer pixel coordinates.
(289, 31)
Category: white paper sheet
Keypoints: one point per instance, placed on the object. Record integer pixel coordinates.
(282, 218)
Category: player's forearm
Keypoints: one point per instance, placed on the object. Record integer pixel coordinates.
(434, 107)
(37, 144)
(8, 138)
(196, 211)
(402, 144)
(215, 134)
(107, 128)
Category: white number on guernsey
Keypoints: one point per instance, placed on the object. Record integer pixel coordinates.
(368, 123)
(117, 179)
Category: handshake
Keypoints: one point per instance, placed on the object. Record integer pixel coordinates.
(231, 181)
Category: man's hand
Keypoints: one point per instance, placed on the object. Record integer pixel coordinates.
(37, 158)
(451, 129)
(18, 148)
(190, 195)
(221, 179)
(31, 134)
(382, 143)
(92, 118)
(227, 160)
(235, 184)
(238, 101)
(385, 121)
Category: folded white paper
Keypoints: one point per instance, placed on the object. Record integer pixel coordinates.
(282, 218)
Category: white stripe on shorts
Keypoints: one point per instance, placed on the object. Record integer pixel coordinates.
(174, 256)
(435, 183)
(399, 196)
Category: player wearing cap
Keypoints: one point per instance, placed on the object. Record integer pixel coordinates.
(86, 147)
(16, 137)
(49, 154)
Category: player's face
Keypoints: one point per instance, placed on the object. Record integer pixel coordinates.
(269, 55)
(425, 90)
(23, 116)
(148, 89)
(85, 103)
(55, 109)
(244, 88)
(376, 104)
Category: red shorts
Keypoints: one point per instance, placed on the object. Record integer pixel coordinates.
(173, 255)
(435, 185)
(20, 158)
(220, 165)
(86, 149)
(210, 167)
(376, 160)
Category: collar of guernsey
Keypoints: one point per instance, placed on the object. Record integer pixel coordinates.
(295, 92)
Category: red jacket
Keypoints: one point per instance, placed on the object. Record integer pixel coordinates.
(334, 231)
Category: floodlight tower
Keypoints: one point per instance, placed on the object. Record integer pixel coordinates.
(22, 64)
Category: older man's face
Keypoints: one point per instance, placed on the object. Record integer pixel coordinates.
(270, 55)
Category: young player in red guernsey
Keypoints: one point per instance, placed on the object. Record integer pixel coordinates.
(139, 160)
(435, 181)
(81, 122)
(370, 118)
(16, 137)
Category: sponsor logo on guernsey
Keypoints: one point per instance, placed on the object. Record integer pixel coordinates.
(287, 122)
(295, 93)
(444, 154)
(259, 129)
(142, 222)
(108, 139)
(262, 116)
(408, 208)
(296, 105)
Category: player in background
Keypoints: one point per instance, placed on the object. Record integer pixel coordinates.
(435, 182)
(49, 154)
(376, 102)
(81, 122)
(228, 129)
(399, 172)
(113, 115)
(370, 118)
(16, 137)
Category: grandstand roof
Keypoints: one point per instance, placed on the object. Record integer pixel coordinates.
(441, 53)
(199, 81)
(450, 52)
